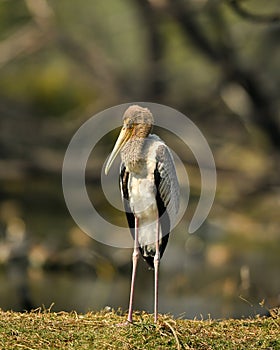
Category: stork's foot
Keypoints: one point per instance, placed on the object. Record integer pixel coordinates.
(124, 324)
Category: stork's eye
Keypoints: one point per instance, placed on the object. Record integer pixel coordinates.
(129, 125)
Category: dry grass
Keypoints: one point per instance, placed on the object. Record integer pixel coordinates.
(50, 330)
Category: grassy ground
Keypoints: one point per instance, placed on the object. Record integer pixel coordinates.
(50, 330)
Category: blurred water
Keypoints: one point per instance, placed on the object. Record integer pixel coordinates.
(192, 291)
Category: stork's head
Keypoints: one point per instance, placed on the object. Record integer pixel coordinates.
(137, 123)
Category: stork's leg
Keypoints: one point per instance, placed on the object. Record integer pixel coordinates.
(156, 267)
(135, 257)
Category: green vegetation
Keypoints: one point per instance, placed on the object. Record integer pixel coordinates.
(49, 330)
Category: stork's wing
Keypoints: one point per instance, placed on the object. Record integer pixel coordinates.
(124, 176)
(166, 181)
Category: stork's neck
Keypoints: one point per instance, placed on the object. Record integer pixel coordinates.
(133, 154)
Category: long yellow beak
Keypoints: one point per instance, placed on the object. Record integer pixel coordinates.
(122, 139)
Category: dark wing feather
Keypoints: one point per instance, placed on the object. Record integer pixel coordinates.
(168, 186)
(124, 177)
(163, 187)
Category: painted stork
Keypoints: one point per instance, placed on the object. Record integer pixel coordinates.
(149, 189)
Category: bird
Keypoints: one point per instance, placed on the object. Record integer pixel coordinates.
(149, 189)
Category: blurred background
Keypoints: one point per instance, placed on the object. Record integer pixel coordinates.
(218, 62)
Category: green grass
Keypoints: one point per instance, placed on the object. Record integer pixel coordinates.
(50, 330)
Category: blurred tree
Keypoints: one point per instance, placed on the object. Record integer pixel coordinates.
(215, 60)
